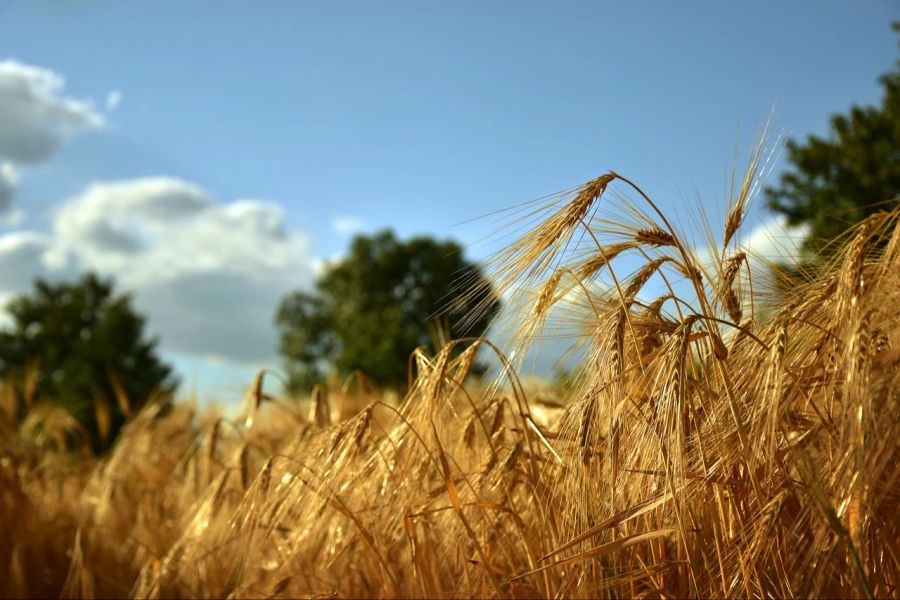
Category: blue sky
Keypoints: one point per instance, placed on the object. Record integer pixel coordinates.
(304, 122)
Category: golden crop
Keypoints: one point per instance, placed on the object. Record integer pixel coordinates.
(723, 442)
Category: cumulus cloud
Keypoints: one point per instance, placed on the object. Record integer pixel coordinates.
(774, 240)
(36, 115)
(348, 225)
(111, 219)
(769, 240)
(217, 314)
(208, 275)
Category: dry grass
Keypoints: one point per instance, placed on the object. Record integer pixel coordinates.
(702, 455)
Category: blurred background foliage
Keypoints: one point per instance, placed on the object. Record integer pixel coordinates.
(82, 347)
(373, 307)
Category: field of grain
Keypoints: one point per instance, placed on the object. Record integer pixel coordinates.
(723, 440)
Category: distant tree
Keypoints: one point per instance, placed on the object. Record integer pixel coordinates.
(86, 351)
(371, 309)
(838, 181)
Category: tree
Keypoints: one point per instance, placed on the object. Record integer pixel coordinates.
(86, 350)
(371, 309)
(838, 181)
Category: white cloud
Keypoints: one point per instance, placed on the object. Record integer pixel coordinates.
(110, 220)
(113, 100)
(208, 275)
(37, 118)
(348, 225)
(773, 240)
(8, 181)
(217, 314)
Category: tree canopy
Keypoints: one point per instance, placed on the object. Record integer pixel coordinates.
(838, 181)
(372, 308)
(79, 345)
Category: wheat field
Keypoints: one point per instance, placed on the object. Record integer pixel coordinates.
(725, 437)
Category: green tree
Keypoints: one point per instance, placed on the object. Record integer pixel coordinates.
(371, 309)
(88, 353)
(838, 181)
